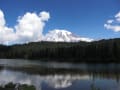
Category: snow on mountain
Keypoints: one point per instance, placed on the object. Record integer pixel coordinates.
(64, 36)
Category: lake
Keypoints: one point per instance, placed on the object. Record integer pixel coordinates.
(60, 76)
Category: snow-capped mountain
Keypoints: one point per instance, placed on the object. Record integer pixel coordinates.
(64, 36)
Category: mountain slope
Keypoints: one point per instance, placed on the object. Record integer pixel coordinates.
(64, 36)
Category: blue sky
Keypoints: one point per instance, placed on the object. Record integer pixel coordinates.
(82, 17)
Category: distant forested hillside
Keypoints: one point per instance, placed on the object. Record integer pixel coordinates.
(97, 51)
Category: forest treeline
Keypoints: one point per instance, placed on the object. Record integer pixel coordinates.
(97, 51)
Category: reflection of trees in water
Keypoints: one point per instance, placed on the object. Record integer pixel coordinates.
(34, 75)
(107, 75)
(55, 81)
(101, 75)
(93, 86)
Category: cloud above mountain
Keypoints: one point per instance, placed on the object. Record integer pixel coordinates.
(29, 28)
(6, 33)
(113, 24)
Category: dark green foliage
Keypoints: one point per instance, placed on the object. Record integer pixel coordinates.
(97, 51)
(11, 86)
(26, 87)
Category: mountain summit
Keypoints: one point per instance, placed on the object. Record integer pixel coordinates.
(64, 36)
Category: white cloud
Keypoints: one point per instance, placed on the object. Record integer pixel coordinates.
(110, 21)
(30, 27)
(113, 24)
(6, 34)
(117, 15)
(2, 20)
(44, 15)
(115, 28)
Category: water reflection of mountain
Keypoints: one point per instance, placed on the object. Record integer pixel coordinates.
(89, 76)
(54, 81)
(96, 70)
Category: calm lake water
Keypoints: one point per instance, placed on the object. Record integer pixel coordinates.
(60, 76)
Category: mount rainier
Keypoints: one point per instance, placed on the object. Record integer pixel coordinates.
(64, 36)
